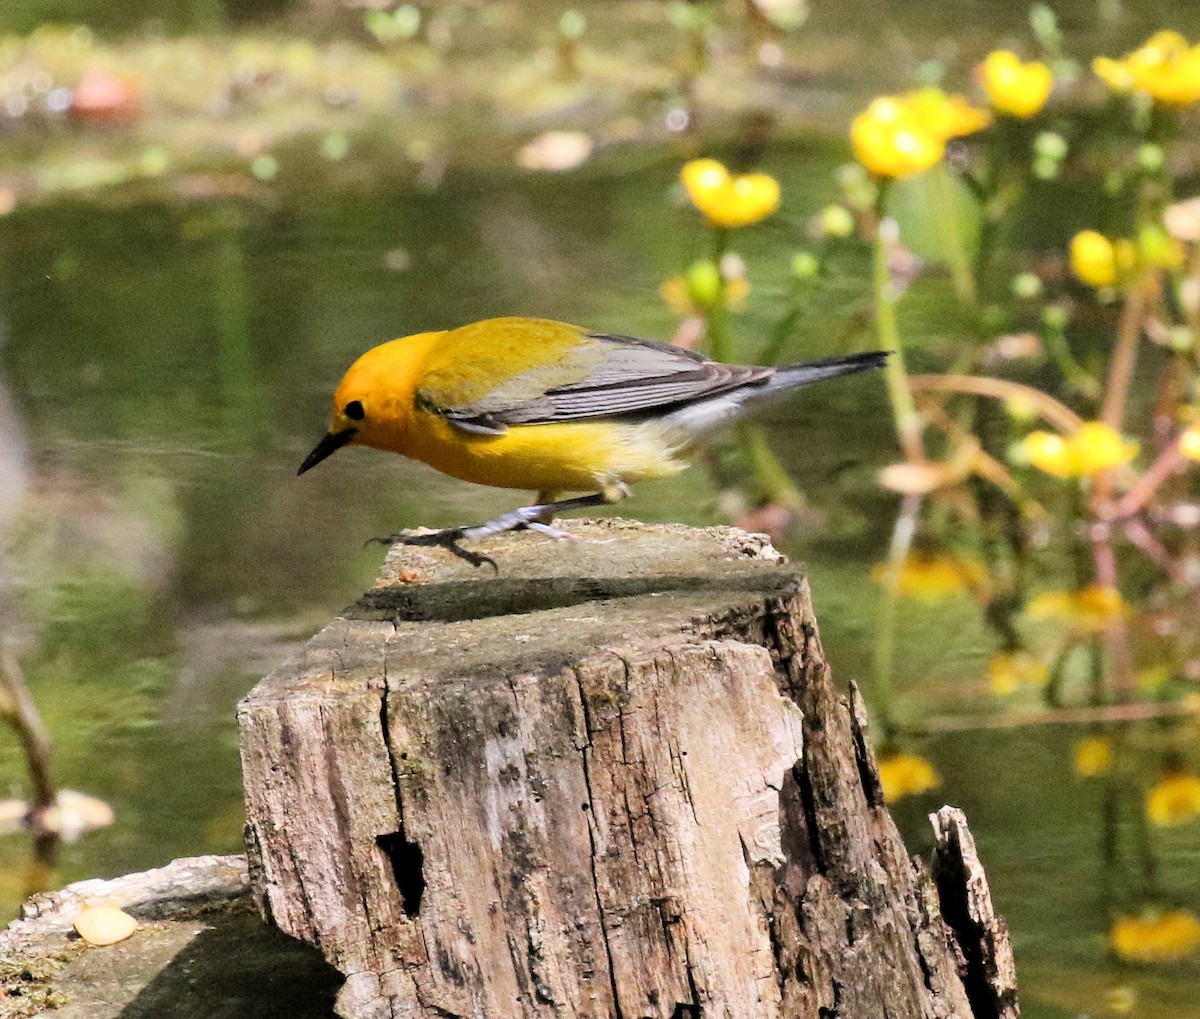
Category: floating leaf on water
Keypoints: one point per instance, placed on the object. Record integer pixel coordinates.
(72, 815)
(785, 14)
(555, 151)
(101, 97)
(1182, 220)
(75, 814)
(104, 925)
(12, 816)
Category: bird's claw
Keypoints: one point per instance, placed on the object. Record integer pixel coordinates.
(521, 519)
(448, 539)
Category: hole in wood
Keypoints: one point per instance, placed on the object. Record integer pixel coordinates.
(408, 868)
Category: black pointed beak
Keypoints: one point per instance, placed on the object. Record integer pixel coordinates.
(331, 443)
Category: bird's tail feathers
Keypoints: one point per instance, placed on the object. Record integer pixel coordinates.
(703, 415)
(795, 376)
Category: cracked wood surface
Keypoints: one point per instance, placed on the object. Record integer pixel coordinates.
(613, 781)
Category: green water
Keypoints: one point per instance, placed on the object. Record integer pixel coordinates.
(164, 369)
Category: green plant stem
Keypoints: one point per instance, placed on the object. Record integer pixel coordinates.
(773, 349)
(1076, 375)
(1147, 857)
(885, 633)
(904, 410)
(769, 473)
(717, 326)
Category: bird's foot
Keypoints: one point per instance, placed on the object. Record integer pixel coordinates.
(524, 518)
(448, 539)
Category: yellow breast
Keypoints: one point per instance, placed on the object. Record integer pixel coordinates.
(574, 456)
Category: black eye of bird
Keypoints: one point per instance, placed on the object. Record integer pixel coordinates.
(354, 411)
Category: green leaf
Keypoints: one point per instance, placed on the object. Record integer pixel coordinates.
(939, 217)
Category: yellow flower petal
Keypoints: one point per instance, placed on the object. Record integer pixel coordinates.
(1013, 87)
(891, 142)
(702, 175)
(1098, 447)
(1114, 74)
(1092, 448)
(1189, 443)
(902, 774)
(1092, 756)
(945, 116)
(729, 201)
(1093, 259)
(1174, 799)
(1008, 672)
(1165, 67)
(932, 576)
(1049, 452)
(1089, 610)
(1156, 936)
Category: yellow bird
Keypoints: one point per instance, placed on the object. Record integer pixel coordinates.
(545, 406)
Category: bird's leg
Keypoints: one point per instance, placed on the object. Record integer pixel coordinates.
(545, 498)
(534, 518)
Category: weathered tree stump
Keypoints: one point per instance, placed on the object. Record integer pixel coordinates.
(613, 780)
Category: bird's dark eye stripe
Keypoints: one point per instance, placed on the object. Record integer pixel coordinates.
(354, 411)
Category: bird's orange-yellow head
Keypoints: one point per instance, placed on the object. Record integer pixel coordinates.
(374, 400)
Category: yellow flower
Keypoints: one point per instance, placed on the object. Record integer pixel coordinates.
(1093, 259)
(1173, 799)
(729, 201)
(931, 576)
(1099, 447)
(1089, 610)
(1092, 448)
(1049, 452)
(1166, 935)
(903, 775)
(1007, 672)
(1121, 1000)
(945, 116)
(1013, 87)
(1164, 67)
(1189, 442)
(889, 139)
(1093, 756)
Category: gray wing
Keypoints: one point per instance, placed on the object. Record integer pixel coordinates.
(630, 376)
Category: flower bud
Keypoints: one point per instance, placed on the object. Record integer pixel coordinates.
(836, 221)
(1045, 168)
(805, 265)
(1056, 317)
(704, 284)
(1027, 286)
(1051, 145)
(1150, 157)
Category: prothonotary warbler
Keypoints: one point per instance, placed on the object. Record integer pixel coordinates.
(548, 407)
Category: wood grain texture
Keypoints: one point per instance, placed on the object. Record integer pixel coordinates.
(614, 780)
